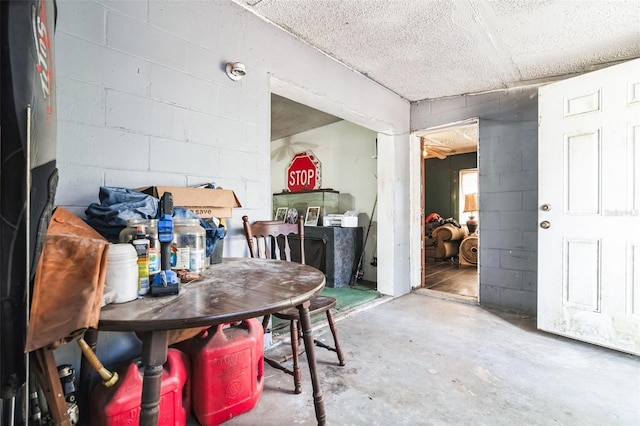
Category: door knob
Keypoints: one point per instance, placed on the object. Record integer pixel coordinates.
(545, 207)
(545, 224)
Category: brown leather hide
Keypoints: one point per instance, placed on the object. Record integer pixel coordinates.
(69, 282)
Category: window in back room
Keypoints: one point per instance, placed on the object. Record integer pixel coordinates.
(468, 202)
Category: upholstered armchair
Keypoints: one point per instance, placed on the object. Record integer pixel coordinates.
(444, 242)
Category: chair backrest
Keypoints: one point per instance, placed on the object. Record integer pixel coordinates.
(270, 239)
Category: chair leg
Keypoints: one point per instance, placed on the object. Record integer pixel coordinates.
(265, 323)
(275, 364)
(295, 351)
(334, 331)
(297, 375)
(44, 364)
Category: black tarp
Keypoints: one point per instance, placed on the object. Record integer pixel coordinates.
(27, 167)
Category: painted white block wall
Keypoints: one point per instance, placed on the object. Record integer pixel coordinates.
(143, 99)
(394, 239)
(345, 151)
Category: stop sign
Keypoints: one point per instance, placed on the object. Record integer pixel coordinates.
(304, 172)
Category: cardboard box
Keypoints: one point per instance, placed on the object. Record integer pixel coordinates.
(204, 202)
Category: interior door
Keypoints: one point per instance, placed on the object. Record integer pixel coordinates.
(589, 207)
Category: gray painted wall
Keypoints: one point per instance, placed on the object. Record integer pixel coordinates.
(442, 183)
(508, 164)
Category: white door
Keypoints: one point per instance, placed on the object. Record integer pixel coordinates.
(589, 196)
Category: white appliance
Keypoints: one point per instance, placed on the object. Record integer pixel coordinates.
(348, 219)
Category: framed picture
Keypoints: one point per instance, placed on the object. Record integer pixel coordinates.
(291, 216)
(281, 213)
(311, 219)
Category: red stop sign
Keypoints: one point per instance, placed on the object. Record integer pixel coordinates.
(304, 172)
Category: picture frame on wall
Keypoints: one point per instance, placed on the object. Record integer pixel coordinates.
(281, 214)
(312, 216)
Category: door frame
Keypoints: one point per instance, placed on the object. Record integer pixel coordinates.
(393, 272)
(418, 186)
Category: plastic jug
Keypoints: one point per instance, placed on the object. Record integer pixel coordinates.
(122, 272)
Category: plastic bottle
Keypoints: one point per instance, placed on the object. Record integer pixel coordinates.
(188, 246)
(129, 233)
(141, 244)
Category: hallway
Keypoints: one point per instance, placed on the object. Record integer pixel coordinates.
(420, 360)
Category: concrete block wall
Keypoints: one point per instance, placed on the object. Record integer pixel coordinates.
(143, 99)
(508, 173)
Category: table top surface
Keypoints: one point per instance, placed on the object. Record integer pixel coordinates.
(236, 289)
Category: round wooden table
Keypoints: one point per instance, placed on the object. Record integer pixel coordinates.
(234, 290)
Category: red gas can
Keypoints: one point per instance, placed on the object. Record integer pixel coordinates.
(120, 404)
(228, 370)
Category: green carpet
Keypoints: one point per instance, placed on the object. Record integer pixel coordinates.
(348, 297)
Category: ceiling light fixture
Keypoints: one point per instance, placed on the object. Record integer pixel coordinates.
(236, 70)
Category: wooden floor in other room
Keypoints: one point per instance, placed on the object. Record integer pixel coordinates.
(448, 276)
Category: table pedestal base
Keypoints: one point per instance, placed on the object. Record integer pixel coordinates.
(154, 355)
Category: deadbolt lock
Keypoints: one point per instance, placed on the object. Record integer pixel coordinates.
(546, 207)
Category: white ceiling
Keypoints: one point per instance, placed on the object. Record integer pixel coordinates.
(425, 49)
(459, 139)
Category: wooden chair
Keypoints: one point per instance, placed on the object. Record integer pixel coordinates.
(271, 240)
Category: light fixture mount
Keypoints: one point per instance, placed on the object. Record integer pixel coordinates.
(236, 70)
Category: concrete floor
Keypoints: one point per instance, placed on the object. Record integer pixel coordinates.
(418, 360)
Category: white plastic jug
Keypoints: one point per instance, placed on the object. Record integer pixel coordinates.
(122, 272)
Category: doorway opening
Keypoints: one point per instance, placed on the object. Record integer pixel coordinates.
(347, 153)
(450, 211)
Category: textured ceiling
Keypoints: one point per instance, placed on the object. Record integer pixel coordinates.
(425, 49)
(458, 140)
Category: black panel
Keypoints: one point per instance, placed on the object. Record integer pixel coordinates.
(27, 79)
